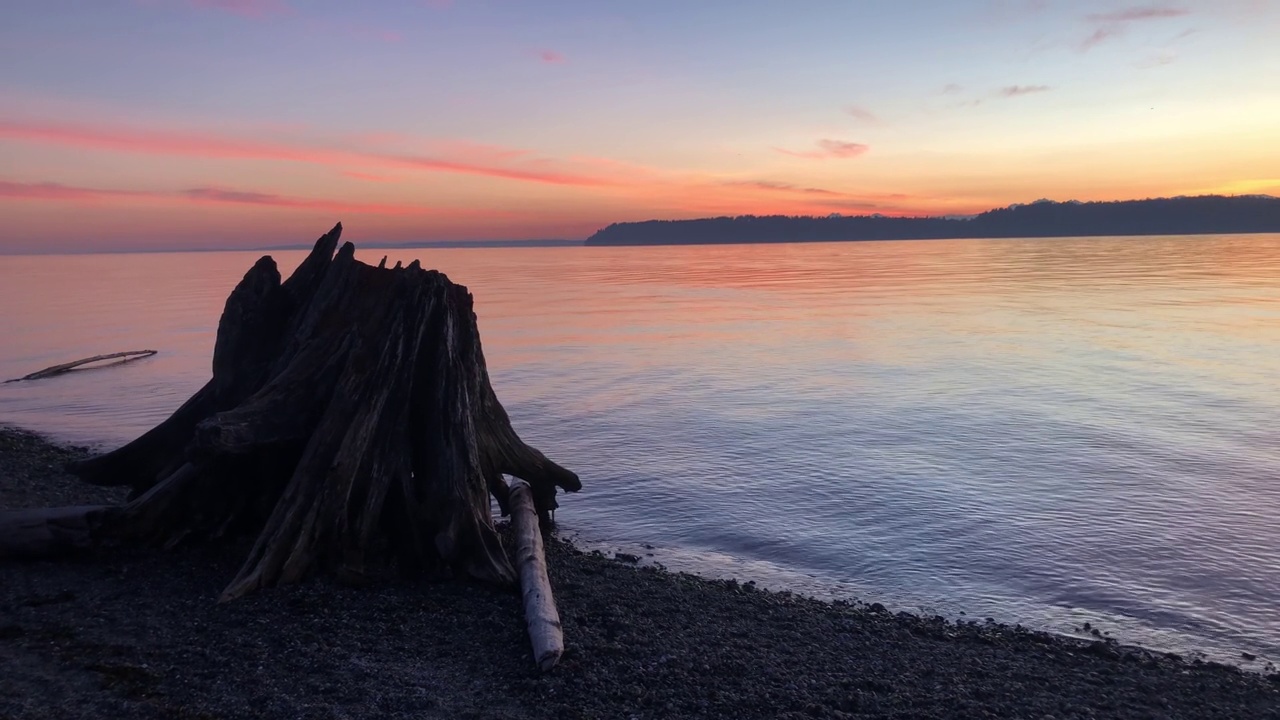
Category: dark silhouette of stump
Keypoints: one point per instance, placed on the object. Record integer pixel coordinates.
(349, 425)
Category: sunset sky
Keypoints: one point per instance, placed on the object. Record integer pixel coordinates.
(231, 123)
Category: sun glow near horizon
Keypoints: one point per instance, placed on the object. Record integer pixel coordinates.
(178, 123)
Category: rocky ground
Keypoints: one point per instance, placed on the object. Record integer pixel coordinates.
(136, 634)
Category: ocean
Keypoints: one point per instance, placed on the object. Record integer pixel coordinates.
(1049, 432)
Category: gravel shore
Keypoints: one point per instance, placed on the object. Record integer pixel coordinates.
(139, 634)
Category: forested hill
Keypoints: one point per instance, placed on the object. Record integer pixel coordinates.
(1165, 216)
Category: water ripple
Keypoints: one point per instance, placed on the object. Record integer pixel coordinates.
(1050, 431)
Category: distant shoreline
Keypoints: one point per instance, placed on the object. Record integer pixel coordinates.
(1204, 215)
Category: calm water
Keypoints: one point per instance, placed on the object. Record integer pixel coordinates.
(1043, 431)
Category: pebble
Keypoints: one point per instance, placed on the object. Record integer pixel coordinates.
(148, 640)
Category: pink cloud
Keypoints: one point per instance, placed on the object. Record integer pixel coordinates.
(368, 177)
(246, 8)
(57, 191)
(1100, 35)
(158, 142)
(481, 150)
(830, 149)
(548, 177)
(462, 158)
(1114, 24)
(241, 197)
(1148, 12)
(66, 193)
(551, 56)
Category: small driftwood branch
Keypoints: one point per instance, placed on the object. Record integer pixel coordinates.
(46, 532)
(124, 357)
(539, 606)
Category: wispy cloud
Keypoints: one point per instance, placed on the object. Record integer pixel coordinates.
(829, 149)
(246, 8)
(461, 158)
(1108, 25)
(1010, 91)
(264, 9)
(68, 193)
(551, 57)
(1011, 11)
(352, 31)
(1100, 35)
(243, 197)
(546, 176)
(1148, 12)
(386, 36)
(57, 191)
(784, 187)
(1164, 57)
(861, 113)
(951, 89)
(369, 177)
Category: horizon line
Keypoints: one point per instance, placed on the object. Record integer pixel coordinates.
(563, 242)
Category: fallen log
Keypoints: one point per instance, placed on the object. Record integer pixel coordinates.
(349, 428)
(123, 357)
(541, 616)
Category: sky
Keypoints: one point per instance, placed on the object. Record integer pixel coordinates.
(136, 124)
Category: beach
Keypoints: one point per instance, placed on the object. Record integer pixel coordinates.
(138, 634)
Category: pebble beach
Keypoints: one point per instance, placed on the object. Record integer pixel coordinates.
(128, 633)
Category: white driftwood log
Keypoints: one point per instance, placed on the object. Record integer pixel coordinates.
(539, 606)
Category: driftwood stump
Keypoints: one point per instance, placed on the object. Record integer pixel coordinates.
(349, 426)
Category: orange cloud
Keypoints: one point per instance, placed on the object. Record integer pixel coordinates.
(551, 56)
(775, 186)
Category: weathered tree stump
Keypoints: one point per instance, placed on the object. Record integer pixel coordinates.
(350, 426)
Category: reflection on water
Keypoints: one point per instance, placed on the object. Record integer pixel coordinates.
(1044, 431)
